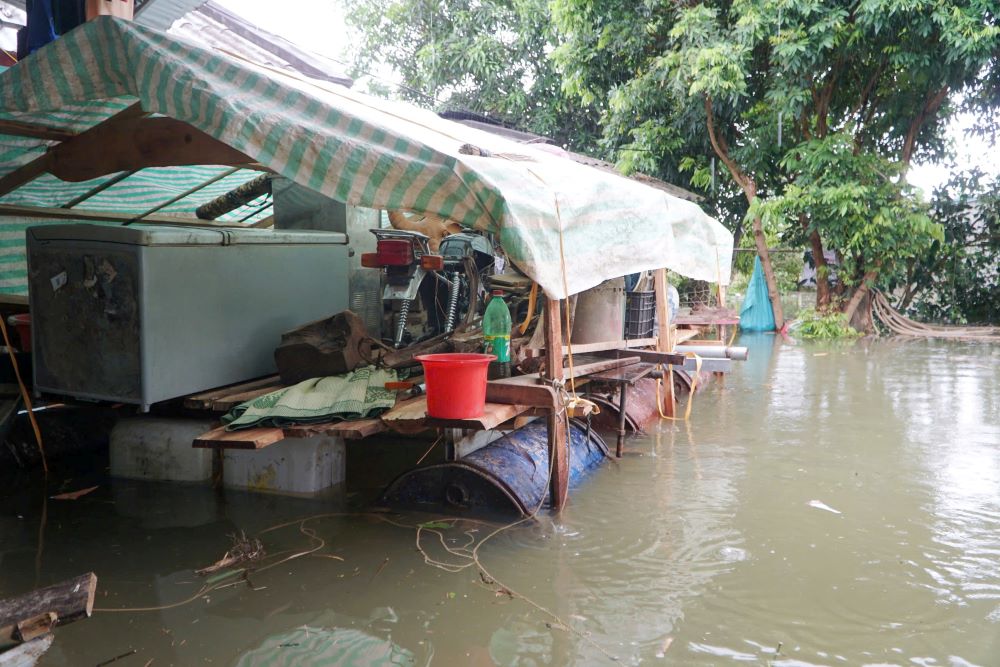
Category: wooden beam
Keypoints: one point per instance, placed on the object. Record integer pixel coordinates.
(247, 438)
(598, 366)
(586, 348)
(80, 214)
(522, 390)
(32, 170)
(558, 440)
(205, 399)
(664, 343)
(137, 143)
(17, 128)
(69, 600)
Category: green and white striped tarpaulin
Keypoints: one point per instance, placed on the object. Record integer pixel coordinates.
(567, 226)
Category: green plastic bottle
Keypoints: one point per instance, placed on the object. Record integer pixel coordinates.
(496, 335)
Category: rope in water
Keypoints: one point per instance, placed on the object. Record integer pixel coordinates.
(904, 326)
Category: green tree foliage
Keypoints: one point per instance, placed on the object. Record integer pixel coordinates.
(782, 91)
(958, 279)
(485, 56)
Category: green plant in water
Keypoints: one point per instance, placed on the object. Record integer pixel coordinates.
(823, 326)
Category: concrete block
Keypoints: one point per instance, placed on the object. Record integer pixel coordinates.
(294, 465)
(159, 449)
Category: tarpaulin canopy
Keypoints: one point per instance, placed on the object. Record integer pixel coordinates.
(566, 225)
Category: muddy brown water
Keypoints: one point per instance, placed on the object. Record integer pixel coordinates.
(825, 505)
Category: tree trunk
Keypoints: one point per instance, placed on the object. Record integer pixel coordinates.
(859, 295)
(822, 277)
(772, 283)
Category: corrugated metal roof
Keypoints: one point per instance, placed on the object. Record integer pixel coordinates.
(161, 14)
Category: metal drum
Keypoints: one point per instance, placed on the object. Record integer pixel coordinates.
(508, 476)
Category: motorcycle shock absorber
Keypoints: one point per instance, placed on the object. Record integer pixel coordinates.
(453, 290)
(404, 312)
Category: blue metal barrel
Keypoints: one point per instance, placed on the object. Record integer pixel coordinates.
(509, 475)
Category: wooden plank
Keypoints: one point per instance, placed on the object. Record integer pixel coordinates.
(557, 436)
(32, 170)
(645, 356)
(596, 366)
(684, 335)
(248, 438)
(17, 128)
(493, 415)
(84, 215)
(407, 416)
(204, 400)
(626, 375)
(349, 430)
(227, 403)
(138, 143)
(666, 341)
(522, 390)
(587, 348)
(69, 600)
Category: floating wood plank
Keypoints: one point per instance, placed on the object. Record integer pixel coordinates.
(69, 600)
(26, 654)
(204, 400)
(248, 438)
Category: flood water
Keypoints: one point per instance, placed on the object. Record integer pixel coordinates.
(825, 505)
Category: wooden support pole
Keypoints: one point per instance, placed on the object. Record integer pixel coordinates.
(664, 342)
(26, 616)
(558, 440)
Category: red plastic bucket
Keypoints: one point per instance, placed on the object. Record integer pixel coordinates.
(22, 322)
(456, 384)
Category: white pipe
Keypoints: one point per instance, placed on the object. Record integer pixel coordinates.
(715, 351)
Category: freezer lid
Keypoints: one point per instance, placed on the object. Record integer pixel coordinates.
(283, 237)
(141, 235)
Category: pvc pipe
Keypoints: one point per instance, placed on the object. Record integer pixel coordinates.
(715, 351)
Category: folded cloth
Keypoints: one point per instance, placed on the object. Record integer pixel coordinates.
(355, 395)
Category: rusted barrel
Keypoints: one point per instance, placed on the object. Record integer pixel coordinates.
(508, 476)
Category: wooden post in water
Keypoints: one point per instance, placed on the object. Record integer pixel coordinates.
(663, 340)
(558, 442)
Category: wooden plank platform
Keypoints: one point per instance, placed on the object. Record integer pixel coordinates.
(411, 415)
(258, 438)
(206, 399)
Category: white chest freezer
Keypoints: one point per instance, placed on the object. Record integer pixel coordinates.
(146, 313)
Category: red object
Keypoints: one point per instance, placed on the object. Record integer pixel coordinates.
(395, 252)
(456, 384)
(370, 260)
(22, 322)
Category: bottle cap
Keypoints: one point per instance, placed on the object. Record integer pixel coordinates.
(498, 292)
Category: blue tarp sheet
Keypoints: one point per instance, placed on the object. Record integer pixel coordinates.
(756, 313)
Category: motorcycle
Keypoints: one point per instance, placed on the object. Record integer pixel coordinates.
(447, 284)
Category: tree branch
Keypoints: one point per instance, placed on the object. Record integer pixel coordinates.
(931, 106)
(722, 150)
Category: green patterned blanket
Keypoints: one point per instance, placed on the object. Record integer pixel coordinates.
(355, 395)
